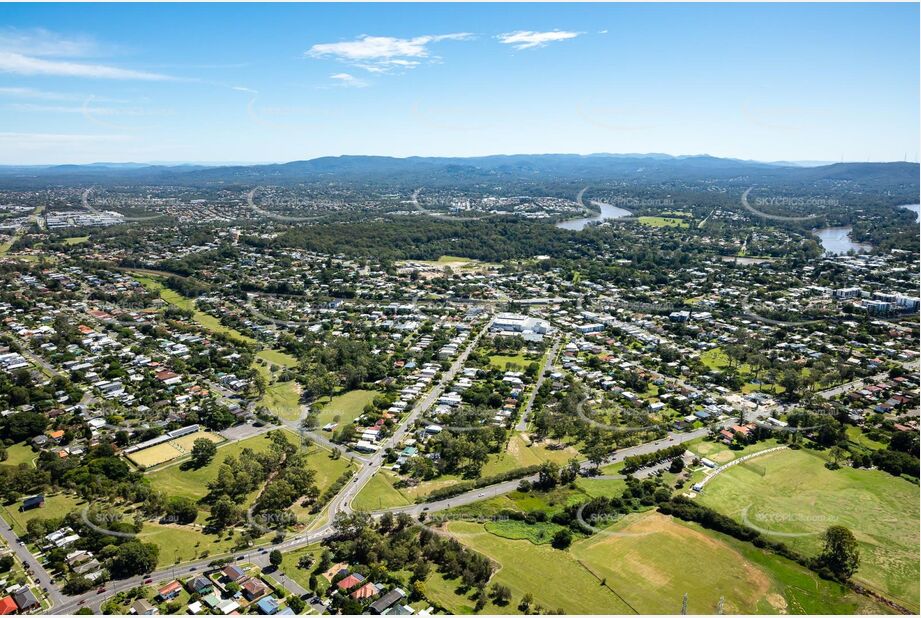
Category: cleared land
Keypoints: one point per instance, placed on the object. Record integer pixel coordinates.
(648, 553)
(797, 498)
(19, 454)
(662, 222)
(283, 399)
(345, 408)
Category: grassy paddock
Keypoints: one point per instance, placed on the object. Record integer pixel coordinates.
(797, 498)
(345, 407)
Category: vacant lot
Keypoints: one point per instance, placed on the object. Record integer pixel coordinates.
(345, 408)
(651, 560)
(283, 399)
(663, 222)
(19, 454)
(797, 498)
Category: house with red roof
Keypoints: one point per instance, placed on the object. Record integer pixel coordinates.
(7, 606)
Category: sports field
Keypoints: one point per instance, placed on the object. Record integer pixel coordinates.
(797, 498)
(168, 451)
(192, 483)
(662, 221)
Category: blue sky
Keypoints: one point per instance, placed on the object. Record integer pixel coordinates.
(230, 82)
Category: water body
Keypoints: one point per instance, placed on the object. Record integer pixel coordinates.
(914, 209)
(607, 212)
(837, 240)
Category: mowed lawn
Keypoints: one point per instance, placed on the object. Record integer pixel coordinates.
(651, 560)
(57, 505)
(515, 362)
(277, 357)
(345, 408)
(19, 454)
(798, 498)
(663, 222)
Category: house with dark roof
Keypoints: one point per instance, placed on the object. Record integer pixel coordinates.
(33, 502)
(25, 600)
(200, 584)
(233, 573)
(386, 601)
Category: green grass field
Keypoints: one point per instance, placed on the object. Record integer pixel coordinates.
(663, 222)
(379, 493)
(555, 578)
(283, 399)
(57, 505)
(76, 240)
(538, 533)
(518, 362)
(518, 454)
(193, 483)
(278, 357)
(19, 454)
(302, 576)
(345, 408)
(183, 542)
(858, 437)
(797, 498)
(651, 560)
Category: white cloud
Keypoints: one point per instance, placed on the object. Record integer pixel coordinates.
(13, 62)
(379, 54)
(527, 39)
(42, 43)
(347, 79)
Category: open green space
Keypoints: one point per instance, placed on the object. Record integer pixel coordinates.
(76, 240)
(184, 543)
(19, 453)
(792, 497)
(345, 408)
(57, 505)
(379, 493)
(858, 437)
(662, 221)
(555, 578)
(283, 399)
(646, 554)
(515, 362)
(277, 357)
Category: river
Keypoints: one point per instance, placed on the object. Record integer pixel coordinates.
(837, 241)
(607, 212)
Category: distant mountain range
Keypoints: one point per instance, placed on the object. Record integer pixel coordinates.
(446, 171)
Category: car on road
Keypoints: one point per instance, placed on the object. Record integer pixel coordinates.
(81, 601)
(193, 568)
(481, 494)
(101, 590)
(148, 580)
